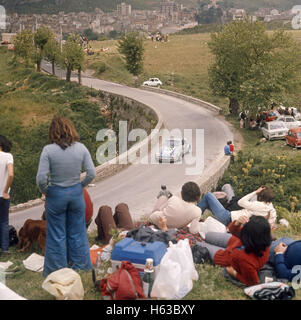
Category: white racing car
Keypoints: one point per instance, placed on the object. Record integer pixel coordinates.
(173, 150)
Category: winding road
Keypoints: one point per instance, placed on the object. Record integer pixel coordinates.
(138, 184)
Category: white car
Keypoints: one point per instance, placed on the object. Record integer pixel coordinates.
(152, 82)
(289, 121)
(274, 130)
(173, 150)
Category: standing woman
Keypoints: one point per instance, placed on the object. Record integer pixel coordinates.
(6, 179)
(58, 177)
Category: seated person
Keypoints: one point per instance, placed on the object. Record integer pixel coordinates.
(227, 148)
(260, 207)
(285, 253)
(244, 252)
(105, 221)
(89, 208)
(178, 212)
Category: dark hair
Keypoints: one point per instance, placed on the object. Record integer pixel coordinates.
(62, 132)
(190, 192)
(255, 235)
(5, 144)
(266, 195)
(229, 142)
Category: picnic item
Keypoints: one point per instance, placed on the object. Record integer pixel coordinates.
(176, 273)
(64, 284)
(148, 277)
(123, 284)
(98, 270)
(270, 291)
(137, 252)
(34, 262)
(211, 225)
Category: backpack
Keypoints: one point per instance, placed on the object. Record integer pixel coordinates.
(13, 238)
(200, 254)
(123, 284)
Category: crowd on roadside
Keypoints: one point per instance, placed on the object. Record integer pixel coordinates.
(243, 249)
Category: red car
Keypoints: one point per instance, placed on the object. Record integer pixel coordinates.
(270, 115)
(293, 137)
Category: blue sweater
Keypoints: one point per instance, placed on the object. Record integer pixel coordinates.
(284, 263)
(63, 167)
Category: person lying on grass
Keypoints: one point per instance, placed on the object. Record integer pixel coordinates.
(244, 252)
(257, 203)
(177, 212)
(285, 254)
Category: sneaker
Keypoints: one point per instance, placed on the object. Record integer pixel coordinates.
(5, 252)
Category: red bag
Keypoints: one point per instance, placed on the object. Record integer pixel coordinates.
(123, 284)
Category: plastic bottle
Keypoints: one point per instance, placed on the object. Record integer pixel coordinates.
(98, 270)
(148, 277)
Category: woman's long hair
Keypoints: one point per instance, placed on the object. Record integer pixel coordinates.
(62, 132)
(256, 236)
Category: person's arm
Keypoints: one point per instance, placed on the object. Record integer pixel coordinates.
(245, 202)
(281, 268)
(9, 181)
(194, 226)
(43, 171)
(89, 168)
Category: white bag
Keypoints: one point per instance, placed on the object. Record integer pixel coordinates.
(177, 270)
(211, 225)
(64, 284)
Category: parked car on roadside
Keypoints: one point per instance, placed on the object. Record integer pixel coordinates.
(173, 150)
(270, 115)
(153, 82)
(274, 130)
(289, 121)
(293, 137)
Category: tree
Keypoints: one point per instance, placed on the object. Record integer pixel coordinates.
(251, 67)
(23, 45)
(131, 47)
(41, 37)
(52, 53)
(73, 57)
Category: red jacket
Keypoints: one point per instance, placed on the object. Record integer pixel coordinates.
(246, 265)
(89, 206)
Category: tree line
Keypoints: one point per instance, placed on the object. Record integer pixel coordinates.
(34, 47)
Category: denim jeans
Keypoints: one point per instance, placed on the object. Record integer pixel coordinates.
(210, 202)
(4, 226)
(66, 237)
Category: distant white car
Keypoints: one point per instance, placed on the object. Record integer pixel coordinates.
(153, 82)
(274, 130)
(173, 150)
(289, 121)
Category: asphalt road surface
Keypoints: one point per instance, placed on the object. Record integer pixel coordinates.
(139, 184)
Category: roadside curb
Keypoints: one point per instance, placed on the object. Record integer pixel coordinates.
(202, 103)
(116, 164)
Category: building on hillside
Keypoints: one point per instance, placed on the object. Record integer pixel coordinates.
(239, 14)
(169, 8)
(8, 37)
(124, 9)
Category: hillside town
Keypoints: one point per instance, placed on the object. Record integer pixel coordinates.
(168, 18)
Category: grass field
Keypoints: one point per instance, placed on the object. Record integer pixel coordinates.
(181, 64)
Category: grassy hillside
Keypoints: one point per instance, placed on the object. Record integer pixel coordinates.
(186, 72)
(28, 102)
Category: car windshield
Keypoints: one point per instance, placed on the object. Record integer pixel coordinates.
(171, 143)
(299, 135)
(271, 114)
(274, 126)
